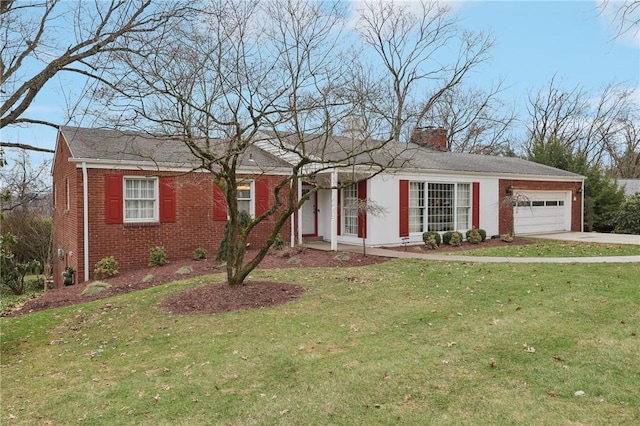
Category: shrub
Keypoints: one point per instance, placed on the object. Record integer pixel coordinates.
(473, 236)
(432, 234)
(446, 237)
(106, 267)
(199, 254)
(157, 256)
(507, 238)
(456, 239)
(431, 243)
(278, 243)
(627, 219)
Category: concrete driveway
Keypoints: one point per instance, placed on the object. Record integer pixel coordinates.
(591, 237)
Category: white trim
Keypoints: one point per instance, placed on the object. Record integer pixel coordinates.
(170, 167)
(334, 210)
(156, 199)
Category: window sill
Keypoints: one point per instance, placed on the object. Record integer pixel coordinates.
(130, 225)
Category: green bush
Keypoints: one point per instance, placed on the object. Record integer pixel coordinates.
(483, 234)
(157, 256)
(473, 236)
(456, 239)
(432, 234)
(627, 219)
(278, 243)
(106, 267)
(446, 237)
(431, 243)
(199, 254)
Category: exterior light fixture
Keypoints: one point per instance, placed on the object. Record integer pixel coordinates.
(580, 190)
(510, 189)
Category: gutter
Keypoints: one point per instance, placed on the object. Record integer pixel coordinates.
(85, 219)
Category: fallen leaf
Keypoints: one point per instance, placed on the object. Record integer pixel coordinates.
(551, 393)
(492, 363)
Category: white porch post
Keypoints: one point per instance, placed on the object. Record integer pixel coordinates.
(334, 210)
(299, 213)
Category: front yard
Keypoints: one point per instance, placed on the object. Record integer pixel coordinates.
(402, 342)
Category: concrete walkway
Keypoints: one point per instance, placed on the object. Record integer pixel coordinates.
(372, 251)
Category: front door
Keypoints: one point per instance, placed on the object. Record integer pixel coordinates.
(309, 213)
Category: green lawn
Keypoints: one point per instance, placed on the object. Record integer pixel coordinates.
(405, 342)
(552, 248)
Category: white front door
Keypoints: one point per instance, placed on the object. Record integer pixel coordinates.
(309, 214)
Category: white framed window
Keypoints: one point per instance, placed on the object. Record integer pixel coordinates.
(463, 205)
(416, 206)
(140, 199)
(67, 195)
(245, 196)
(350, 210)
(439, 206)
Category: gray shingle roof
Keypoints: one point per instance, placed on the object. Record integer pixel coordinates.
(119, 146)
(631, 186)
(113, 145)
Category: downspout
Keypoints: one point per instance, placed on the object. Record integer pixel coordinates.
(85, 219)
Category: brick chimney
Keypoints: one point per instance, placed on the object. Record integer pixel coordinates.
(432, 137)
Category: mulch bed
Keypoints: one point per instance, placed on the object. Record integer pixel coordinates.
(205, 299)
(222, 298)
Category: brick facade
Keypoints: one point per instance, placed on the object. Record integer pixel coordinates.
(505, 211)
(129, 243)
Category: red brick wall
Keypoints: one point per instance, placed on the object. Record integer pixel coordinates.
(194, 227)
(66, 228)
(505, 213)
(129, 243)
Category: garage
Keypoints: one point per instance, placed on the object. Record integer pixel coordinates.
(537, 212)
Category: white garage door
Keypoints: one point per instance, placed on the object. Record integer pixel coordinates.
(537, 212)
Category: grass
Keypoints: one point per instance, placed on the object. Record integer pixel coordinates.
(405, 342)
(553, 248)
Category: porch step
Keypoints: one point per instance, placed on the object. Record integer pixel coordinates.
(311, 239)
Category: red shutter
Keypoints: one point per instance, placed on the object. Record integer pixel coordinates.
(113, 198)
(339, 210)
(362, 215)
(219, 204)
(475, 207)
(262, 195)
(167, 199)
(404, 208)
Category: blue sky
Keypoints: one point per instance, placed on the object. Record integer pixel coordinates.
(535, 40)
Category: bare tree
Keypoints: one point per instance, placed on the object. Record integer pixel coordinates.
(27, 187)
(409, 39)
(624, 14)
(587, 123)
(42, 38)
(273, 75)
(477, 120)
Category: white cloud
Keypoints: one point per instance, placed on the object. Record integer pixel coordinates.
(622, 18)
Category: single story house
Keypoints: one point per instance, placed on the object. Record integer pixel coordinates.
(119, 194)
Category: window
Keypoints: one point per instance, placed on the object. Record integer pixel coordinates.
(140, 199)
(416, 206)
(463, 205)
(439, 206)
(245, 197)
(350, 209)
